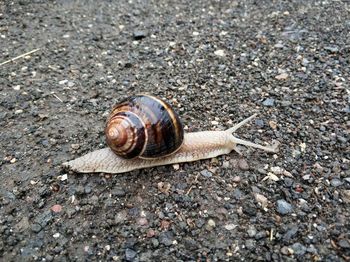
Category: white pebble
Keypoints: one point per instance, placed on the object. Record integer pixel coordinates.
(261, 199)
(230, 226)
(282, 76)
(56, 235)
(277, 170)
(75, 146)
(302, 147)
(271, 176)
(32, 182)
(220, 52)
(63, 82)
(211, 223)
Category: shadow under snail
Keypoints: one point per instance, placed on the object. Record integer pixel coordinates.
(144, 131)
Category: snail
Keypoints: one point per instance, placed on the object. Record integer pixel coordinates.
(144, 131)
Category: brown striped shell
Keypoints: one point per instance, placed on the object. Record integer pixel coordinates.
(143, 126)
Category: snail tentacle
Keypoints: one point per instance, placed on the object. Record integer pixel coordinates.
(235, 140)
(240, 124)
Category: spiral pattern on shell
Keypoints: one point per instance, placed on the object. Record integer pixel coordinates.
(143, 126)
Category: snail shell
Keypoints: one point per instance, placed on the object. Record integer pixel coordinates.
(144, 126)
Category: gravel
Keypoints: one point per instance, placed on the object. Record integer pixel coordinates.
(283, 207)
(217, 62)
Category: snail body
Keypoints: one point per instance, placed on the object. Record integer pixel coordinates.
(187, 147)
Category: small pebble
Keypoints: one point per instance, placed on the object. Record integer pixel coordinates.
(269, 102)
(206, 173)
(306, 177)
(75, 146)
(236, 179)
(333, 49)
(220, 53)
(344, 243)
(63, 82)
(138, 35)
(130, 254)
(164, 187)
(260, 235)
(118, 192)
(36, 228)
(346, 196)
(286, 250)
(336, 182)
(282, 76)
(271, 176)
(259, 122)
(56, 208)
(288, 181)
(279, 45)
(273, 124)
(166, 238)
(230, 226)
(250, 244)
(155, 242)
(298, 249)
(251, 231)
(79, 190)
(165, 224)
(210, 224)
(87, 189)
(226, 164)
(261, 199)
(142, 221)
(151, 233)
(276, 170)
(243, 164)
(283, 207)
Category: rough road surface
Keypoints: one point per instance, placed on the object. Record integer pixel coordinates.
(217, 62)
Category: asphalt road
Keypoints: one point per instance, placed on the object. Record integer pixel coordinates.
(217, 62)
